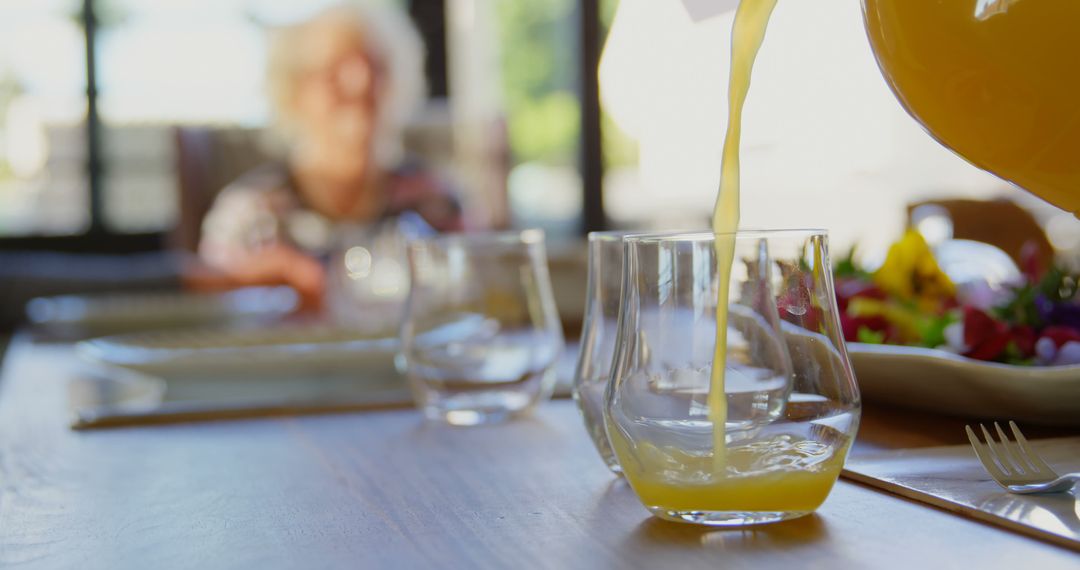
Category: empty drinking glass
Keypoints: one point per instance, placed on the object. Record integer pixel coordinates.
(598, 336)
(481, 334)
(766, 439)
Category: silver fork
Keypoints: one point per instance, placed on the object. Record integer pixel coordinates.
(1016, 466)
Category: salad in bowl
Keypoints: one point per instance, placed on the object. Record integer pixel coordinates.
(1026, 316)
(926, 331)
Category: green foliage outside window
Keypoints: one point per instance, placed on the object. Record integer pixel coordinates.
(539, 43)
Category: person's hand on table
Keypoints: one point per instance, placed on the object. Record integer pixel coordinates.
(276, 264)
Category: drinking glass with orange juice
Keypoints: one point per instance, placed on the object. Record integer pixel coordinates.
(774, 447)
(996, 81)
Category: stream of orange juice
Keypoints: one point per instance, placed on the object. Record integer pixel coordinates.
(994, 80)
(747, 33)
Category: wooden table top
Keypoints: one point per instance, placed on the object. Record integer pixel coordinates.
(385, 489)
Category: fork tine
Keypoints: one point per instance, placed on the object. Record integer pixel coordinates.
(984, 456)
(1006, 466)
(1029, 453)
(1016, 454)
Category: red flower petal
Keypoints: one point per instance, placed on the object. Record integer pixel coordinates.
(876, 323)
(1061, 335)
(1023, 337)
(980, 327)
(989, 349)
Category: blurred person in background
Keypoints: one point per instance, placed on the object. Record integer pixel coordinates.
(343, 86)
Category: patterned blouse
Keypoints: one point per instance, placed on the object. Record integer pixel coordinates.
(264, 207)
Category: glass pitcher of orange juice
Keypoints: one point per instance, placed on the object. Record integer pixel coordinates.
(996, 81)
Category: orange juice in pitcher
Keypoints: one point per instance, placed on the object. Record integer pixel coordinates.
(996, 81)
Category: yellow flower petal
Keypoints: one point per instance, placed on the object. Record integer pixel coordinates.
(910, 271)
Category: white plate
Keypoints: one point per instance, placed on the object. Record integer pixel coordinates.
(203, 374)
(120, 312)
(303, 351)
(944, 382)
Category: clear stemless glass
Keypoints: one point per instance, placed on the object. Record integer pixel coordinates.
(598, 336)
(773, 445)
(481, 335)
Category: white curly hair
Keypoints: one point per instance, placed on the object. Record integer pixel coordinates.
(389, 35)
